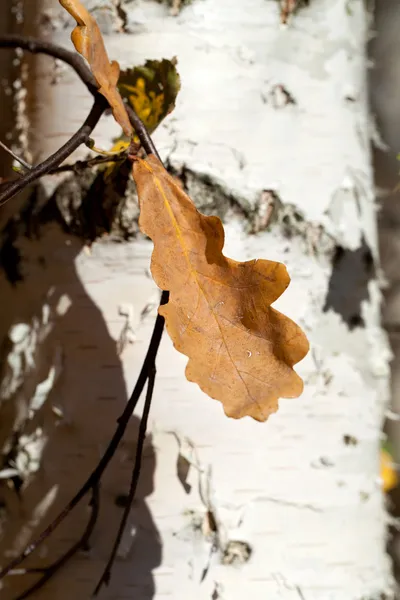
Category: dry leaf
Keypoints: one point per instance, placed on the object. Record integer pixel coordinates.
(151, 89)
(89, 42)
(241, 351)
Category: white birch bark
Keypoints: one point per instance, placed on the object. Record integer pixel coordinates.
(297, 500)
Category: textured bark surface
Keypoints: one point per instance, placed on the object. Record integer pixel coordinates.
(297, 501)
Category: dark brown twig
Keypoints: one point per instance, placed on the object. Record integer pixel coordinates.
(49, 571)
(105, 578)
(147, 372)
(34, 46)
(15, 156)
(81, 165)
(142, 132)
(82, 135)
(82, 70)
(7, 191)
(123, 420)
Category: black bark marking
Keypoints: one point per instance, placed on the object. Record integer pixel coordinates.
(348, 286)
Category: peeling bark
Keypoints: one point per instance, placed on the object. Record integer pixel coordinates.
(289, 509)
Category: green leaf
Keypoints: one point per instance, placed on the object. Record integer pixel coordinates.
(151, 90)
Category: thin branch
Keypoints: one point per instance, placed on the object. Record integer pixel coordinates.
(142, 132)
(49, 571)
(123, 421)
(73, 59)
(147, 372)
(105, 578)
(81, 165)
(11, 189)
(16, 157)
(82, 70)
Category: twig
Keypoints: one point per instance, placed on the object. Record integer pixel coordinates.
(105, 578)
(142, 132)
(123, 421)
(11, 189)
(81, 165)
(82, 70)
(73, 59)
(147, 372)
(16, 157)
(49, 571)
(8, 190)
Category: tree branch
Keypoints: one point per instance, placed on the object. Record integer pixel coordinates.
(82, 70)
(105, 578)
(7, 191)
(73, 59)
(123, 420)
(142, 132)
(16, 157)
(81, 165)
(49, 571)
(147, 372)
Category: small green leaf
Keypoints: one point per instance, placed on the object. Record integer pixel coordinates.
(151, 89)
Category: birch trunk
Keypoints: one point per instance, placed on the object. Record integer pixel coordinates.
(271, 132)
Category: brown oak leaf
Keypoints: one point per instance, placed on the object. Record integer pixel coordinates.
(89, 42)
(241, 351)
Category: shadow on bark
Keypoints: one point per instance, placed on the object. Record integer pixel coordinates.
(66, 335)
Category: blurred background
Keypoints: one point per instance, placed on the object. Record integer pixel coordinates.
(384, 84)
